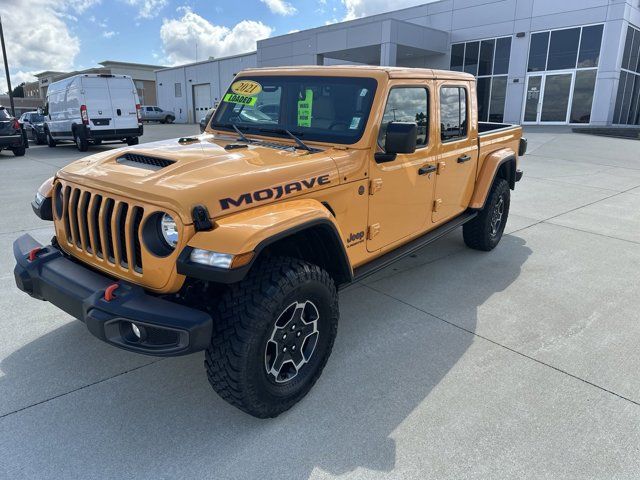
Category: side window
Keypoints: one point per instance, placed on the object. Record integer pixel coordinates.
(157, 109)
(453, 113)
(149, 109)
(407, 104)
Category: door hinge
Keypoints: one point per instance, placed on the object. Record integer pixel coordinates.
(373, 230)
(375, 185)
(441, 167)
(437, 204)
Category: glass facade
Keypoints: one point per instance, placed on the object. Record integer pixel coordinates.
(488, 60)
(627, 110)
(563, 67)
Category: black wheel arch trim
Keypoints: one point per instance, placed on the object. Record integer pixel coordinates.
(227, 276)
(513, 175)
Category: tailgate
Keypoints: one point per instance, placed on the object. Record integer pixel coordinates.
(123, 99)
(6, 128)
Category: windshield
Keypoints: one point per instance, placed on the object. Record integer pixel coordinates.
(4, 115)
(36, 118)
(324, 109)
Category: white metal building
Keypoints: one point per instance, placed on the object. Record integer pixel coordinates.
(537, 61)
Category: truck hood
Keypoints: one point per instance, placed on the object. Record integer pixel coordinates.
(200, 171)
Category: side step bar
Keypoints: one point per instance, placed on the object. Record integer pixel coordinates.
(409, 248)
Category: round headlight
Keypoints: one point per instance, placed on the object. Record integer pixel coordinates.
(169, 230)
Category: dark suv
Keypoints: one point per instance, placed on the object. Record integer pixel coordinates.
(12, 136)
(33, 124)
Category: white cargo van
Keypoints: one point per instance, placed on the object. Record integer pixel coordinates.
(90, 108)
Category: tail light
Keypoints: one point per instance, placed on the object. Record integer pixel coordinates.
(16, 124)
(139, 113)
(84, 115)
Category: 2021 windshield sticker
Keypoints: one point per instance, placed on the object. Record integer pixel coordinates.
(244, 93)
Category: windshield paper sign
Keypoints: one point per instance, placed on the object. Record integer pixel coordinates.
(244, 92)
(305, 107)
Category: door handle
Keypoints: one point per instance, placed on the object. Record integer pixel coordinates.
(464, 158)
(427, 169)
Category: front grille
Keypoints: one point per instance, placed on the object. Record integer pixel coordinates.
(104, 227)
(144, 161)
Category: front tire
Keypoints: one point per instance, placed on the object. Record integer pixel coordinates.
(50, 141)
(169, 119)
(485, 231)
(273, 334)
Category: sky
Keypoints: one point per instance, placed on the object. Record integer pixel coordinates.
(76, 34)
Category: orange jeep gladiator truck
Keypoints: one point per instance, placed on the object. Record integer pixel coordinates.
(237, 240)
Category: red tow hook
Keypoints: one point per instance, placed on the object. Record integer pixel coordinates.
(108, 293)
(34, 253)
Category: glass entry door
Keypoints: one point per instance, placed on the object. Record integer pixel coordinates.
(548, 98)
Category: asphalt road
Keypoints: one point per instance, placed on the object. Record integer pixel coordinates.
(452, 364)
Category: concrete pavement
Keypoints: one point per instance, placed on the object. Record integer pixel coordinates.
(521, 363)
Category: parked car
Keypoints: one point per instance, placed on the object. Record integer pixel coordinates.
(152, 113)
(12, 135)
(90, 108)
(238, 244)
(204, 121)
(33, 124)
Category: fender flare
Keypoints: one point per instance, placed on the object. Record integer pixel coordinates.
(488, 175)
(259, 228)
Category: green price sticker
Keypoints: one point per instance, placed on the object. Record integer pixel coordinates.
(241, 99)
(305, 108)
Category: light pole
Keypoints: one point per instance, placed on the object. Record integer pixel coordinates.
(6, 69)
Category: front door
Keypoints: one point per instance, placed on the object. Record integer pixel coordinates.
(458, 160)
(401, 190)
(548, 98)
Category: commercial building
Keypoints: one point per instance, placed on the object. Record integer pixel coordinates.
(143, 76)
(537, 61)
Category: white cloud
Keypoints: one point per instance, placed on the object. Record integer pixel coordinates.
(363, 8)
(109, 34)
(148, 8)
(280, 7)
(50, 46)
(180, 36)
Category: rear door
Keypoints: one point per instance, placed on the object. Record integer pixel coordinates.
(98, 102)
(123, 101)
(458, 159)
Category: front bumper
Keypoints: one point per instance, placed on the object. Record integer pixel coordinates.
(167, 328)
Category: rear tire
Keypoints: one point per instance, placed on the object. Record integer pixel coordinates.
(132, 141)
(81, 141)
(485, 231)
(19, 151)
(273, 334)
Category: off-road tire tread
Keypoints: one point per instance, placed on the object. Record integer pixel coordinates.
(476, 233)
(239, 320)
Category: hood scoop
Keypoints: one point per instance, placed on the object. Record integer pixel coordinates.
(143, 161)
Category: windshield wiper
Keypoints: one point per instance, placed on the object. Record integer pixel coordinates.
(284, 131)
(242, 136)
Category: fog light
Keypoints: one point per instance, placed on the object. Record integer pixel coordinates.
(136, 331)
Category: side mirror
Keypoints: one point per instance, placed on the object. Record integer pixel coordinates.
(400, 137)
